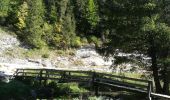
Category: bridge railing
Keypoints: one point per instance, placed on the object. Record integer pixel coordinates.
(95, 78)
(64, 75)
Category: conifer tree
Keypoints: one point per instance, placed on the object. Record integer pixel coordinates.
(21, 15)
(92, 13)
(135, 26)
(34, 24)
(4, 6)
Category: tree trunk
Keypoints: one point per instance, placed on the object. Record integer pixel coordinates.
(155, 72)
(166, 82)
(154, 67)
(103, 37)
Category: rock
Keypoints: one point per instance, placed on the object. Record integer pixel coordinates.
(90, 57)
(46, 63)
(37, 61)
(7, 41)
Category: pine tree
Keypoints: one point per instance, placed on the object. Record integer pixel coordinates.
(34, 24)
(92, 13)
(135, 26)
(4, 6)
(65, 27)
(21, 15)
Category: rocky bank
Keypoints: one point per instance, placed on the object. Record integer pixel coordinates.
(84, 58)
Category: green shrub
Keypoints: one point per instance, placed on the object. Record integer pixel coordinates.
(94, 39)
(14, 90)
(37, 53)
(76, 42)
(84, 40)
(58, 41)
(65, 88)
(46, 55)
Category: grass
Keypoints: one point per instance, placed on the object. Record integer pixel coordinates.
(45, 52)
(36, 53)
(78, 63)
(15, 52)
(70, 52)
(67, 88)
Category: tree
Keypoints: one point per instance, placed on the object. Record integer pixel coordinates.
(91, 13)
(4, 6)
(21, 15)
(34, 23)
(135, 27)
(65, 25)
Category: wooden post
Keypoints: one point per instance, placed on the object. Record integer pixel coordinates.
(22, 72)
(149, 90)
(96, 89)
(46, 76)
(94, 84)
(63, 76)
(16, 73)
(40, 77)
(93, 79)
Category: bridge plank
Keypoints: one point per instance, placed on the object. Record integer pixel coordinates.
(160, 95)
(123, 87)
(122, 83)
(122, 77)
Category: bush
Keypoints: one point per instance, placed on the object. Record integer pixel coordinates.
(76, 42)
(14, 90)
(46, 55)
(84, 41)
(57, 41)
(65, 88)
(94, 39)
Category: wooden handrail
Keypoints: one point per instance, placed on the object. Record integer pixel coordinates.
(107, 79)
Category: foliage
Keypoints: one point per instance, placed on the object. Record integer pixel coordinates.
(34, 23)
(68, 29)
(92, 15)
(45, 55)
(37, 53)
(21, 15)
(63, 89)
(14, 90)
(76, 42)
(51, 23)
(4, 6)
(144, 33)
(94, 39)
(66, 88)
(140, 26)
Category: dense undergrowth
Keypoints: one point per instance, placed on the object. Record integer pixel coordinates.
(30, 89)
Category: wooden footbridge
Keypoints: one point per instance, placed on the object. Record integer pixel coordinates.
(94, 78)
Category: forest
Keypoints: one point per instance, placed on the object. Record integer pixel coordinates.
(129, 26)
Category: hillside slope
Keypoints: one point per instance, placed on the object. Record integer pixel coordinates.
(14, 55)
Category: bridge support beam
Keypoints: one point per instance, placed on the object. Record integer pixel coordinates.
(40, 77)
(96, 87)
(149, 90)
